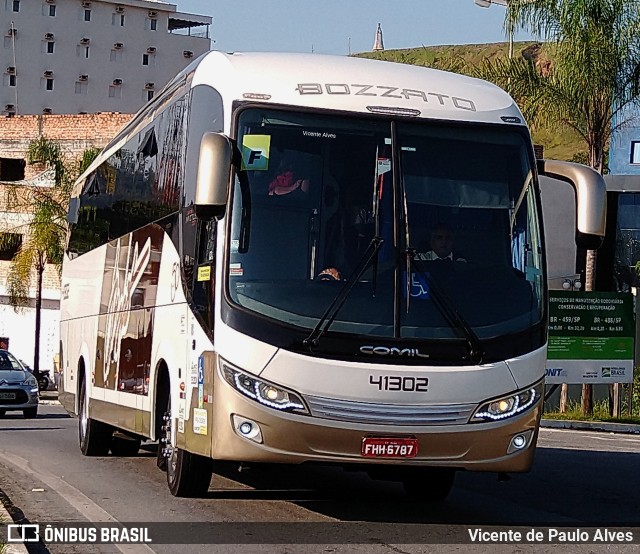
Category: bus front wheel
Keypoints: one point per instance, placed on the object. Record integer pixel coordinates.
(188, 474)
(94, 436)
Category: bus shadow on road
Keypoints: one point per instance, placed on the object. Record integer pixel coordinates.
(327, 490)
(18, 416)
(477, 498)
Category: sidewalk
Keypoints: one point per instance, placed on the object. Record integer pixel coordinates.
(605, 427)
(49, 397)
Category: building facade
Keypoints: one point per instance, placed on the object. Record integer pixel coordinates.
(74, 134)
(89, 56)
(621, 251)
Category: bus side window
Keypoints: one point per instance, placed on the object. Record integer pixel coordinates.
(203, 280)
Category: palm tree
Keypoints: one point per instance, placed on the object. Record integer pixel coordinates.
(588, 77)
(44, 234)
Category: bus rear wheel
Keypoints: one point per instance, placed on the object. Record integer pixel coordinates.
(428, 484)
(94, 436)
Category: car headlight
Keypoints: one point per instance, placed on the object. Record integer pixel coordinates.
(268, 394)
(509, 406)
(30, 381)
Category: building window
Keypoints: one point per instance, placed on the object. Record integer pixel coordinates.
(149, 95)
(50, 47)
(16, 5)
(12, 169)
(117, 19)
(10, 80)
(145, 59)
(87, 15)
(115, 55)
(10, 245)
(115, 91)
(82, 51)
(81, 87)
(635, 151)
(52, 10)
(151, 24)
(48, 84)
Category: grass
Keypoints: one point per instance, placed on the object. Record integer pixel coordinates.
(600, 413)
(559, 143)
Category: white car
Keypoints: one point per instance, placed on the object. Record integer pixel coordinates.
(18, 387)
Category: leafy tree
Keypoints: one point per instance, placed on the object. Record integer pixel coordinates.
(44, 234)
(586, 74)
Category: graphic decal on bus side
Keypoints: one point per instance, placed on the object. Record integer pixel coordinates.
(125, 327)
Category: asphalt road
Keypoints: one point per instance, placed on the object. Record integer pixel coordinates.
(579, 480)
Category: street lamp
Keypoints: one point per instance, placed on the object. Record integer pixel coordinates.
(505, 3)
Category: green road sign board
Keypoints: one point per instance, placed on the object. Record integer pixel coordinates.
(591, 337)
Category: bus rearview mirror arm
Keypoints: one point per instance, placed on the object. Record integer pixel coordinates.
(214, 174)
(591, 199)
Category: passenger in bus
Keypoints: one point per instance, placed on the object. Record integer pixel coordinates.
(441, 242)
(288, 178)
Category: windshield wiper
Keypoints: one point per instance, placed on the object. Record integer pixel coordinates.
(451, 314)
(332, 311)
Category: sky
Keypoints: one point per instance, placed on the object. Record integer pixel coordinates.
(346, 26)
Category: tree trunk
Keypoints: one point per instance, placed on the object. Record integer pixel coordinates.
(36, 350)
(589, 285)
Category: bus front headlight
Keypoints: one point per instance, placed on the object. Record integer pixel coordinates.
(268, 394)
(509, 406)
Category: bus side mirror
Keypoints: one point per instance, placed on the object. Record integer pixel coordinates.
(591, 199)
(214, 174)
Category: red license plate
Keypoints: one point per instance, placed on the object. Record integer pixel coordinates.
(379, 447)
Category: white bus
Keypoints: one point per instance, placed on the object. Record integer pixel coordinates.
(249, 274)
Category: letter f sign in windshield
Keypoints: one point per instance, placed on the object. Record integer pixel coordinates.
(255, 152)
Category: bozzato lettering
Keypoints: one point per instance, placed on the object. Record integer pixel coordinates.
(382, 91)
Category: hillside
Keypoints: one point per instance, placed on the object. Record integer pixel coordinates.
(560, 144)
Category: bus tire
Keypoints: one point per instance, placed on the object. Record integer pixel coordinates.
(94, 436)
(429, 484)
(188, 475)
(124, 446)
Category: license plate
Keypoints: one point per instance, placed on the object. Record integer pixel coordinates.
(7, 395)
(379, 447)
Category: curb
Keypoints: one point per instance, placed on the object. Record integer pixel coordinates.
(14, 547)
(49, 403)
(602, 426)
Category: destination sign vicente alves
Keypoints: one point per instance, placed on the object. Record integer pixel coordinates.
(591, 337)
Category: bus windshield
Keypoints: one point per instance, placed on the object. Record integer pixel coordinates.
(438, 222)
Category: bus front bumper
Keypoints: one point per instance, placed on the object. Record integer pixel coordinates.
(281, 437)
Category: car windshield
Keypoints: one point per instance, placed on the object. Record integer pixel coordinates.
(8, 362)
(454, 207)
